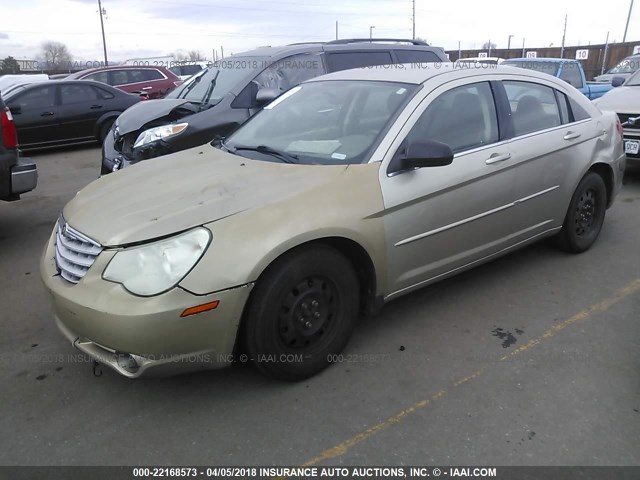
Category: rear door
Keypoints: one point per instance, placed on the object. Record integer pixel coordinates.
(36, 117)
(80, 108)
(553, 143)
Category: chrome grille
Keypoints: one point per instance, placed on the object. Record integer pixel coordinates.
(75, 252)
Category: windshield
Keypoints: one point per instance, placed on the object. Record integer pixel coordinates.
(328, 123)
(628, 65)
(633, 80)
(223, 75)
(549, 68)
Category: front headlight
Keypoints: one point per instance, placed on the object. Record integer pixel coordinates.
(158, 133)
(157, 267)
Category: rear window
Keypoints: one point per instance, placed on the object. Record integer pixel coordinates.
(345, 60)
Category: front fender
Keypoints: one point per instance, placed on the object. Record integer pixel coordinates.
(245, 244)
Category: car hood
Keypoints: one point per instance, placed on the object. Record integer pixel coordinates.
(621, 100)
(141, 113)
(176, 192)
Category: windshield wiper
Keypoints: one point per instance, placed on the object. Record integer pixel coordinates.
(212, 86)
(190, 86)
(284, 156)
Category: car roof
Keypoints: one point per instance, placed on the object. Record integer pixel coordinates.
(62, 81)
(541, 59)
(354, 44)
(420, 73)
(115, 67)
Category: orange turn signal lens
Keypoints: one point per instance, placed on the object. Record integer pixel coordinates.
(201, 308)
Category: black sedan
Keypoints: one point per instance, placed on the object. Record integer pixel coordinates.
(65, 112)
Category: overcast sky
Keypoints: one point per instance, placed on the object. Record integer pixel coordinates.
(141, 28)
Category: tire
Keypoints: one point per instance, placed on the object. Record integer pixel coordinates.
(585, 216)
(104, 129)
(301, 312)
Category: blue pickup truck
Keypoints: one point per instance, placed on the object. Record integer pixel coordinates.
(570, 71)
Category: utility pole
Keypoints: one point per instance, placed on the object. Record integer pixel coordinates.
(221, 51)
(371, 32)
(413, 19)
(606, 50)
(104, 42)
(336, 29)
(509, 42)
(522, 47)
(564, 35)
(459, 50)
(489, 48)
(624, 38)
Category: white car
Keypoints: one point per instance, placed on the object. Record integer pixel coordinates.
(484, 60)
(625, 101)
(7, 81)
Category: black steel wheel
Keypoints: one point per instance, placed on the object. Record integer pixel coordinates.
(584, 219)
(301, 312)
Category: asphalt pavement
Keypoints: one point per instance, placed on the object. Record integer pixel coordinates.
(532, 359)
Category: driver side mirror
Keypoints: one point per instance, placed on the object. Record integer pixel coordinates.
(617, 81)
(427, 153)
(266, 95)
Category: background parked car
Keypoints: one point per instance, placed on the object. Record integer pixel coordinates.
(233, 89)
(625, 101)
(570, 71)
(66, 111)
(484, 60)
(154, 81)
(7, 81)
(624, 69)
(187, 69)
(17, 173)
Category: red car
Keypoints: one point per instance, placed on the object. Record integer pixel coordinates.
(156, 82)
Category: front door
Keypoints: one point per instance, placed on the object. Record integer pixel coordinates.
(440, 219)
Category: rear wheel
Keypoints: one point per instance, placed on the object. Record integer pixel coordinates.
(585, 216)
(301, 313)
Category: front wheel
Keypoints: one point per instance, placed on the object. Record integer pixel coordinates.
(104, 129)
(301, 313)
(585, 216)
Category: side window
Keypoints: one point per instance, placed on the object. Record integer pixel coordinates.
(98, 77)
(70, 94)
(42, 97)
(104, 94)
(118, 77)
(463, 118)
(563, 103)
(533, 106)
(151, 74)
(416, 56)
(344, 60)
(190, 69)
(578, 112)
(135, 76)
(571, 74)
(289, 72)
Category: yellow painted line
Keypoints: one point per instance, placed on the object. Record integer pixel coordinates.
(346, 445)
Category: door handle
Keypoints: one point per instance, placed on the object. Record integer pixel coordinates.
(571, 135)
(147, 88)
(46, 114)
(93, 107)
(497, 158)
